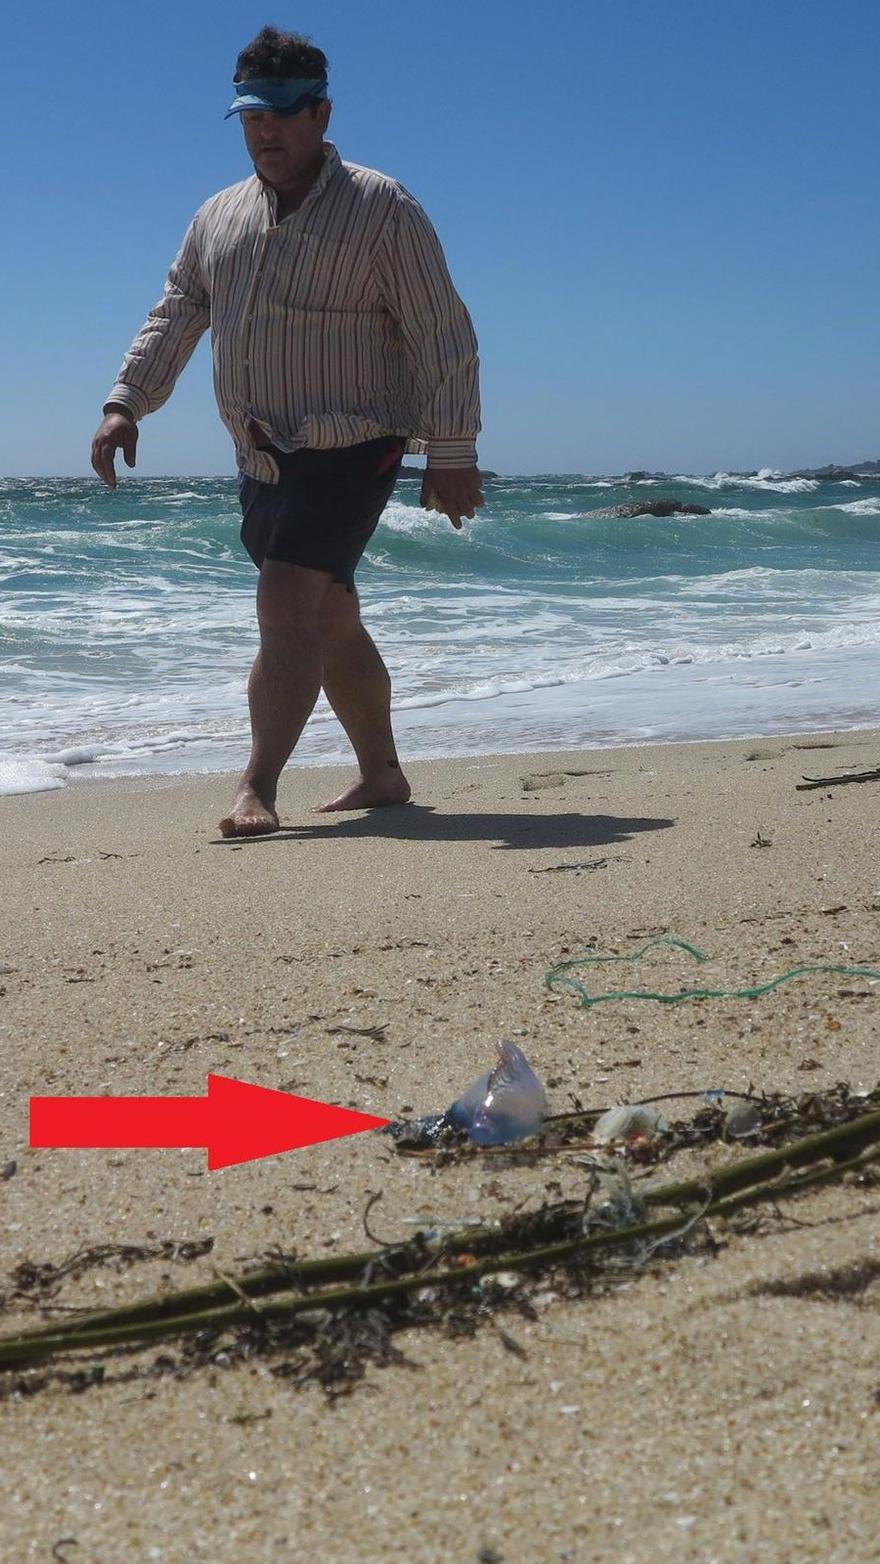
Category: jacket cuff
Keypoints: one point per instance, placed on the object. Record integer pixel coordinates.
(452, 453)
(136, 401)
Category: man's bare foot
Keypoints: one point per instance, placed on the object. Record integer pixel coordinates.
(249, 815)
(379, 791)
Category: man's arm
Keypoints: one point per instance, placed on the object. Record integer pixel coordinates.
(155, 360)
(439, 339)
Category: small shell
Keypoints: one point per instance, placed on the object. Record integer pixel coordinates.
(742, 1120)
(630, 1122)
(506, 1105)
(507, 1280)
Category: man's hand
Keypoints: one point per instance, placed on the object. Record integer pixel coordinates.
(117, 429)
(454, 491)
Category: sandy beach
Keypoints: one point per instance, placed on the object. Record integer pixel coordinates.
(722, 1405)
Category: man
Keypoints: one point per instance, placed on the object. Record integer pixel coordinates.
(338, 343)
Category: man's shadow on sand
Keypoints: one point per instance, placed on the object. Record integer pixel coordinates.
(422, 823)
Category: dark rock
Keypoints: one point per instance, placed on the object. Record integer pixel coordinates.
(419, 472)
(829, 474)
(654, 508)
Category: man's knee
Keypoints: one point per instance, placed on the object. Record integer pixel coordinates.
(339, 617)
(289, 598)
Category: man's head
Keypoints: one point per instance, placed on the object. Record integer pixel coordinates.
(283, 126)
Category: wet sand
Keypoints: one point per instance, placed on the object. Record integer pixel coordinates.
(697, 1414)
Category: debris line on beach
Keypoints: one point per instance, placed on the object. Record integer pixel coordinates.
(337, 1314)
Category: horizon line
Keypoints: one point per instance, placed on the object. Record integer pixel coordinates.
(628, 473)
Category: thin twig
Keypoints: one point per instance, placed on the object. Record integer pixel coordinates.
(239, 1291)
(384, 1243)
(857, 776)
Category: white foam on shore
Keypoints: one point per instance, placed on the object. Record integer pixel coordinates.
(82, 755)
(26, 774)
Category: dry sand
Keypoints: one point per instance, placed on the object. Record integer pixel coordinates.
(696, 1415)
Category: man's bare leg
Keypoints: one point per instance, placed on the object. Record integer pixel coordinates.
(284, 684)
(358, 688)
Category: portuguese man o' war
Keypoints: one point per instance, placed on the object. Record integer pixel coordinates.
(505, 1104)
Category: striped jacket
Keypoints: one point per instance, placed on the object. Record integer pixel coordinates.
(337, 325)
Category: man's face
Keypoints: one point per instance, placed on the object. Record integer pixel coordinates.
(284, 147)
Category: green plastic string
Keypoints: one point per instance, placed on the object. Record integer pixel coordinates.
(557, 977)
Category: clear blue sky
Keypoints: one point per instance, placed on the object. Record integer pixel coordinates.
(663, 216)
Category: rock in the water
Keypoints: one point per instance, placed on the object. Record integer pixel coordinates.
(654, 508)
(419, 472)
(829, 474)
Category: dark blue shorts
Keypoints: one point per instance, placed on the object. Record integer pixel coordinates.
(324, 508)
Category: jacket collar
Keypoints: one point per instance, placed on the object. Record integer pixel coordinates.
(331, 164)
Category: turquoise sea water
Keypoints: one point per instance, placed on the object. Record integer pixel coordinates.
(127, 620)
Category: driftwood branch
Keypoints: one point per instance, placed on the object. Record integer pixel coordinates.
(838, 781)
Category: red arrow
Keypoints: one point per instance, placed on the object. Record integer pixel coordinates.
(236, 1122)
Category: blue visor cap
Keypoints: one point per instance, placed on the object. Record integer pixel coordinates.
(276, 94)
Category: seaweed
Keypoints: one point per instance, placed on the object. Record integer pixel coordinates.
(326, 1321)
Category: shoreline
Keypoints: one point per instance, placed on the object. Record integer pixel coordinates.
(80, 774)
(546, 626)
(374, 960)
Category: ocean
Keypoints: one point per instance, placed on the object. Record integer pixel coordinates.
(127, 620)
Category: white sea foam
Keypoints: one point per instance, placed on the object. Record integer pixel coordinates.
(82, 755)
(127, 650)
(763, 482)
(866, 507)
(781, 485)
(28, 774)
(411, 519)
(737, 513)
